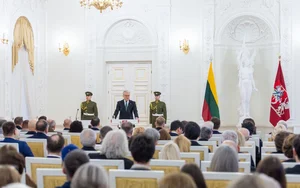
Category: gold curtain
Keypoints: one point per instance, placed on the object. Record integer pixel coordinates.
(23, 35)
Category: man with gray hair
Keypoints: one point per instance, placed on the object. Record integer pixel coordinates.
(127, 127)
(126, 108)
(88, 140)
(31, 127)
(152, 133)
(208, 124)
(2, 121)
(230, 135)
(205, 134)
(52, 125)
(67, 124)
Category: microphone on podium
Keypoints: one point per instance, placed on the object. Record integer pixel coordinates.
(76, 114)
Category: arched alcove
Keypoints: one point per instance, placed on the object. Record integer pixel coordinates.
(260, 35)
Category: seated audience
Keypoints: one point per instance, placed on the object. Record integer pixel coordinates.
(2, 121)
(183, 143)
(192, 132)
(208, 124)
(8, 175)
(152, 133)
(95, 124)
(76, 127)
(10, 156)
(287, 148)
(272, 167)
(89, 175)
(194, 171)
(72, 161)
(103, 131)
(138, 130)
(10, 133)
(225, 159)
(170, 151)
(41, 130)
(177, 180)
(160, 123)
(205, 134)
(296, 154)
(164, 135)
(217, 123)
(31, 127)
(25, 126)
(142, 150)
(279, 139)
(176, 128)
(114, 146)
(127, 127)
(67, 124)
(280, 127)
(249, 124)
(55, 143)
(88, 140)
(52, 125)
(245, 132)
(241, 139)
(254, 181)
(42, 118)
(18, 121)
(67, 149)
(230, 135)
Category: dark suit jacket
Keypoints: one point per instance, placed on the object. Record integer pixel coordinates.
(158, 128)
(216, 132)
(173, 134)
(30, 132)
(126, 114)
(95, 129)
(39, 136)
(19, 127)
(85, 148)
(140, 168)
(195, 143)
(202, 139)
(53, 157)
(24, 149)
(65, 185)
(127, 162)
(294, 170)
(289, 161)
(66, 129)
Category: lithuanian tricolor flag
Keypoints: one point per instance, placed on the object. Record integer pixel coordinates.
(211, 104)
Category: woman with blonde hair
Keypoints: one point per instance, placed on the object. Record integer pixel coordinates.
(8, 175)
(241, 139)
(138, 130)
(170, 151)
(177, 180)
(280, 127)
(183, 143)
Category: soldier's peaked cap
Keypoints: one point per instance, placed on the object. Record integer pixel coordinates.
(157, 93)
(88, 93)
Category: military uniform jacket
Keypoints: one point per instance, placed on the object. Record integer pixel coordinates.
(89, 110)
(157, 107)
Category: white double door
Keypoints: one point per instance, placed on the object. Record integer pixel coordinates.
(134, 77)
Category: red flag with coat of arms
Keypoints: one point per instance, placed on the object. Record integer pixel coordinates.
(280, 100)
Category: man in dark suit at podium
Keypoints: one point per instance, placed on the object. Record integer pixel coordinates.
(126, 107)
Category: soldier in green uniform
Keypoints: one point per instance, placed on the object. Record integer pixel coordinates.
(88, 108)
(157, 107)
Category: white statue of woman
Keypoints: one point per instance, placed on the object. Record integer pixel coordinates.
(246, 80)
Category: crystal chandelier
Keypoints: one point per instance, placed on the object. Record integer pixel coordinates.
(101, 4)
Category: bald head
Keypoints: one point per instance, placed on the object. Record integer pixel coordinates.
(31, 125)
(231, 144)
(245, 132)
(67, 123)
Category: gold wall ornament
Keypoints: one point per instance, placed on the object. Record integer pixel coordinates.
(65, 49)
(101, 4)
(4, 39)
(184, 46)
